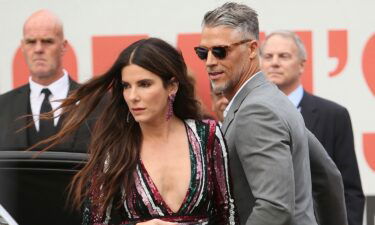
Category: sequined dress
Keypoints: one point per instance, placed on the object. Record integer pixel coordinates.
(209, 198)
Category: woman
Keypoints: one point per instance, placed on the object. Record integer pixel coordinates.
(152, 160)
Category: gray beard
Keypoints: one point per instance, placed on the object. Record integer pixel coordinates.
(218, 89)
(228, 86)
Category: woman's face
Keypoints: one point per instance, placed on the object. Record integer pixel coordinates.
(145, 94)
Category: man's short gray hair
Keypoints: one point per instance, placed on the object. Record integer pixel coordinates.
(236, 16)
(291, 35)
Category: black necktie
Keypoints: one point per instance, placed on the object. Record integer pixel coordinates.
(46, 127)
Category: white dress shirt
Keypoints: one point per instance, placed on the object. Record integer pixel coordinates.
(59, 90)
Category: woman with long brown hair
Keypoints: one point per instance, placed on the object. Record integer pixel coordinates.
(152, 159)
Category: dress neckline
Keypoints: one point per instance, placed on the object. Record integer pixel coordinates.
(154, 188)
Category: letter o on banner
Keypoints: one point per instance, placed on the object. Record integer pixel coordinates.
(369, 149)
(368, 63)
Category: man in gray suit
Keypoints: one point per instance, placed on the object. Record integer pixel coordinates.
(327, 184)
(266, 135)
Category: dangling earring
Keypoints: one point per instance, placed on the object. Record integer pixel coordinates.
(127, 117)
(170, 106)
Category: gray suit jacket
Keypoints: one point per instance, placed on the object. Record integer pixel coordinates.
(327, 185)
(269, 157)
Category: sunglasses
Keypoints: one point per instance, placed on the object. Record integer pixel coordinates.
(220, 52)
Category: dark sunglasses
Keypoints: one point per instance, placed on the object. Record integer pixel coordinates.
(220, 52)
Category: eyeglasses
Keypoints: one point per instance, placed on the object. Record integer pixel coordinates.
(219, 52)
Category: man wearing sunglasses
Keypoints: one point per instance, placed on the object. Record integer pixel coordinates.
(266, 135)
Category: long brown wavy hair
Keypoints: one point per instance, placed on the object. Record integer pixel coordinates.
(115, 142)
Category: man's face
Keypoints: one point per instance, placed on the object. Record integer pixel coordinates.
(43, 47)
(281, 62)
(225, 73)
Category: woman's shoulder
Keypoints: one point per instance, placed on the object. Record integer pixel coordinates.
(202, 123)
(204, 129)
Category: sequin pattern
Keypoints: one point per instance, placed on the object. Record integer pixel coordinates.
(208, 200)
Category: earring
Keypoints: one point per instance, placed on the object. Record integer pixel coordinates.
(127, 117)
(170, 106)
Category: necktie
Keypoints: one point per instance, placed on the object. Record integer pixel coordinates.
(46, 127)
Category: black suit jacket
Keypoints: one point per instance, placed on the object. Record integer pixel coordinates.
(331, 124)
(14, 105)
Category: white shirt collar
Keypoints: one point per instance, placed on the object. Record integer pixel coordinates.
(296, 96)
(58, 88)
(231, 101)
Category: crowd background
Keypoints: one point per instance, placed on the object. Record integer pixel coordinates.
(339, 36)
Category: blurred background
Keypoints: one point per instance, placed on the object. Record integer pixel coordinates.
(339, 36)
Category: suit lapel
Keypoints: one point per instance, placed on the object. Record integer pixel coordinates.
(309, 111)
(72, 86)
(68, 144)
(255, 81)
(19, 111)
